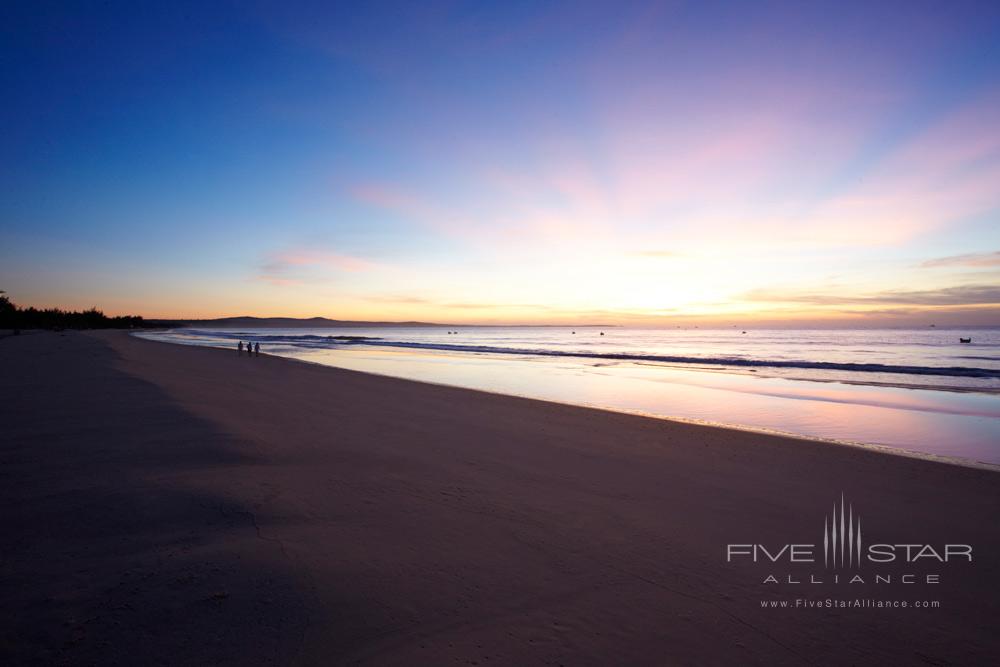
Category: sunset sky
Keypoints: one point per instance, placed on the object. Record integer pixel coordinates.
(633, 163)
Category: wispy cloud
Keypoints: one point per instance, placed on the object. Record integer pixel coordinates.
(662, 254)
(971, 260)
(398, 299)
(490, 306)
(406, 299)
(963, 295)
(764, 175)
(420, 209)
(295, 267)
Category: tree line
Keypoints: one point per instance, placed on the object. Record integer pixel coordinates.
(15, 317)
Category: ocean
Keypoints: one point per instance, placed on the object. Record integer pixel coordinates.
(921, 391)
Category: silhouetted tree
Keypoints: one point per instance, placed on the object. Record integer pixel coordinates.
(15, 317)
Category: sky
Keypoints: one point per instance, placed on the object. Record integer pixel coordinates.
(644, 163)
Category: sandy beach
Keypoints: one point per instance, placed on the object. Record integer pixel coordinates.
(177, 505)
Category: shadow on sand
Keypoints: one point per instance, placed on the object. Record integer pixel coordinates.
(109, 553)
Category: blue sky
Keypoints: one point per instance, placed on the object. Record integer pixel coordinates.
(505, 162)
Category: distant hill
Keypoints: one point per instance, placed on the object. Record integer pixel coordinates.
(297, 323)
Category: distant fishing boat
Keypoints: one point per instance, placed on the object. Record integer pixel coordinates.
(964, 340)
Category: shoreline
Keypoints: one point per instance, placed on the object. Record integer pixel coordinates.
(712, 423)
(202, 507)
(871, 447)
(678, 361)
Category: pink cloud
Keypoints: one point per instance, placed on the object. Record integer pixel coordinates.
(336, 261)
(656, 170)
(949, 172)
(295, 267)
(385, 196)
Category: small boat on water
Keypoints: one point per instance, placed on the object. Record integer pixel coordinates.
(964, 340)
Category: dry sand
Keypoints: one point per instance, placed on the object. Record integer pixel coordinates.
(173, 505)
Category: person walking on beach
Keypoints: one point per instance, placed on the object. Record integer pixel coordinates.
(249, 349)
(239, 349)
(256, 349)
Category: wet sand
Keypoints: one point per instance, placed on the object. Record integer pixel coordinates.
(180, 505)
